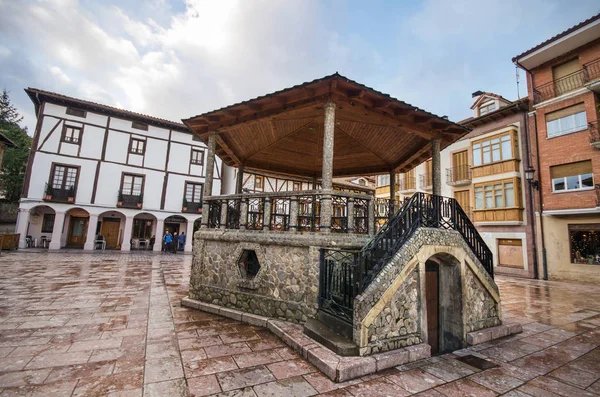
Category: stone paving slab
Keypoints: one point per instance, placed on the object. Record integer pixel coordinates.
(112, 324)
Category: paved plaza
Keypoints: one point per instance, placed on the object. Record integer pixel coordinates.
(111, 324)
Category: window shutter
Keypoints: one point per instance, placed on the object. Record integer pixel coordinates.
(580, 107)
(566, 68)
(571, 169)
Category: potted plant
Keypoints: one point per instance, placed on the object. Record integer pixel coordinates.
(48, 192)
(184, 205)
(199, 209)
(120, 199)
(140, 200)
(71, 195)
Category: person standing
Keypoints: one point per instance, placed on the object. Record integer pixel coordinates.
(168, 240)
(181, 241)
(174, 243)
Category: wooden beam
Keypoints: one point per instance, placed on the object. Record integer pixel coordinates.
(279, 140)
(356, 94)
(413, 157)
(223, 145)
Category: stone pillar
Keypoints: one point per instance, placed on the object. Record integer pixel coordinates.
(239, 182)
(392, 207)
(327, 176)
(243, 214)
(91, 233)
(59, 223)
(208, 178)
(371, 215)
(350, 210)
(267, 214)
(224, 214)
(158, 235)
(126, 245)
(294, 213)
(436, 167)
(189, 238)
(22, 224)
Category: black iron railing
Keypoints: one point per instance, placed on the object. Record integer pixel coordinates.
(361, 216)
(339, 219)
(256, 213)
(280, 213)
(233, 214)
(214, 214)
(360, 268)
(60, 194)
(594, 134)
(589, 72)
(459, 175)
(309, 213)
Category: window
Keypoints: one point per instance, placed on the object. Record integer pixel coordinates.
(76, 112)
(362, 182)
(193, 192)
(132, 185)
(567, 76)
(48, 223)
(572, 176)
(139, 126)
(383, 180)
(566, 121)
(496, 194)
(71, 134)
(498, 148)
(258, 182)
(137, 146)
(197, 157)
(585, 243)
(64, 177)
(142, 228)
(297, 186)
(487, 108)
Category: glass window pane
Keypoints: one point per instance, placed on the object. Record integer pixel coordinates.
(489, 199)
(558, 184)
(573, 182)
(506, 149)
(509, 194)
(478, 198)
(476, 156)
(496, 152)
(486, 155)
(587, 180)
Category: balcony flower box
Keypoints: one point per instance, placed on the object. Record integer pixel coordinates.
(70, 199)
(48, 197)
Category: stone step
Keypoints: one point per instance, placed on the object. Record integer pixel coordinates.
(332, 340)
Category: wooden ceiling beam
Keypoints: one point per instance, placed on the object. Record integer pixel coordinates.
(413, 157)
(279, 140)
(223, 145)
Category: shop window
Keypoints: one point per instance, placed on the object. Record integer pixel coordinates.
(585, 243)
(142, 228)
(48, 223)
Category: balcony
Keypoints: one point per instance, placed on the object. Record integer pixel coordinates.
(459, 175)
(407, 184)
(588, 73)
(191, 208)
(594, 134)
(130, 200)
(426, 180)
(65, 195)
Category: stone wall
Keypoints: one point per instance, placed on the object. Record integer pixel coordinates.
(287, 283)
(391, 312)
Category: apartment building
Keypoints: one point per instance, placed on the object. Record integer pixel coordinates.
(563, 81)
(98, 170)
(484, 173)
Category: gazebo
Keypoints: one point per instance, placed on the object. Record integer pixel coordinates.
(315, 254)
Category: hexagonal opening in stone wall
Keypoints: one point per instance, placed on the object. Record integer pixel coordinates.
(248, 264)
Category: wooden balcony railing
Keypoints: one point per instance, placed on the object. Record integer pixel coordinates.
(589, 72)
(290, 211)
(459, 175)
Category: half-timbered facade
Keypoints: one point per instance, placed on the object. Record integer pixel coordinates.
(95, 170)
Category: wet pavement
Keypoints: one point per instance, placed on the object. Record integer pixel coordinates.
(111, 324)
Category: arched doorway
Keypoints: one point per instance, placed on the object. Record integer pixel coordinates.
(176, 224)
(144, 229)
(76, 220)
(110, 228)
(40, 227)
(443, 296)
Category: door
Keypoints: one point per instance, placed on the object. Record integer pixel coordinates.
(460, 166)
(110, 231)
(463, 198)
(77, 232)
(432, 301)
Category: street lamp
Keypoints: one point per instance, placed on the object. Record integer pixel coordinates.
(529, 175)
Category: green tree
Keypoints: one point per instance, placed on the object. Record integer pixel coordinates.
(15, 159)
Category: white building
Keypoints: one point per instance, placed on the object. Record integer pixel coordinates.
(98, 170)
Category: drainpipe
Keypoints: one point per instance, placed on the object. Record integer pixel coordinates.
(540, 196)
(530, 197)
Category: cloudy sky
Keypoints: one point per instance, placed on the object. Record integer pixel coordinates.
(178, 58)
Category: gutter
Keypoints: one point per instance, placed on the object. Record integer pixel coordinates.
(540, 196)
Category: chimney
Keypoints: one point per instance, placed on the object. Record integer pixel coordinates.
(476, 93)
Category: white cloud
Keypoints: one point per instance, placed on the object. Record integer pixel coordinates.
(60, 75)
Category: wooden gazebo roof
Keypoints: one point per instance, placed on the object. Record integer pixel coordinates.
(283, 131)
